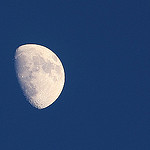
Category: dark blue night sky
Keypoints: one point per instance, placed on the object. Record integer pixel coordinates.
(104, 46)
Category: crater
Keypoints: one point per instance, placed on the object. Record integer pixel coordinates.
(37, 60)
(30, 89)
(23, 70)
(47, 67)
(36, 68)
(28, 77)
(22, 59)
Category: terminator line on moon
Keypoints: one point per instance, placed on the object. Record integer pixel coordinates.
(40, 74)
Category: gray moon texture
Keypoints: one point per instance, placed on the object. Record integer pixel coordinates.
(40, 74)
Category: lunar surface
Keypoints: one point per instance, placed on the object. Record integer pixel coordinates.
(40, 74)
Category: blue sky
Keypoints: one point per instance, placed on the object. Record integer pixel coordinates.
(104, 46)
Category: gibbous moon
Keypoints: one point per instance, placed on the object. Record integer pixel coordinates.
(40, 74)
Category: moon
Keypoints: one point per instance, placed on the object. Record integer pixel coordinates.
(40, 74)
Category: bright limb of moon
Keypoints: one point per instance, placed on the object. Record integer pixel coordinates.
(40, 74)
